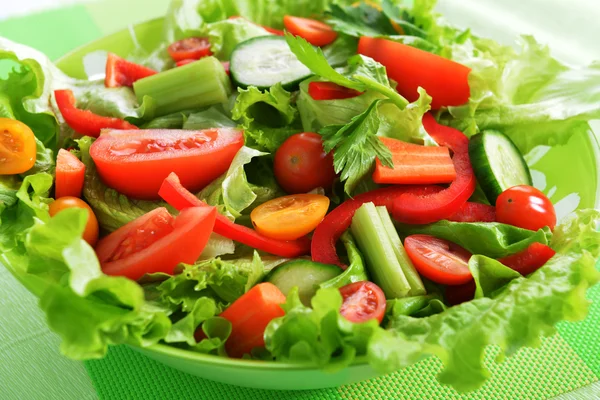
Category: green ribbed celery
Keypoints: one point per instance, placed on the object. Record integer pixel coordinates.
(195, 85)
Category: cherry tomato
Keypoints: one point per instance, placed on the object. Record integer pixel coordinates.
(439, 260)
(137, 162)
(526, 207)
(363, 301)
(314, 32)
(529, 260)
(156, 242)
(302, 165)
(90, 234)
(330, 91)
(193, 48)
(17, 147)
(290, 217)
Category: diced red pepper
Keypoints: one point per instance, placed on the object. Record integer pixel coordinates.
(86, 122)
(179, 197)
(330, 91)
(530, 259)
(474, 212)
(328, 232)
(412, 208)
(120, 72)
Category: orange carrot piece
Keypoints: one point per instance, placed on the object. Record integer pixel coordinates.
(414, 164)
(70, 173)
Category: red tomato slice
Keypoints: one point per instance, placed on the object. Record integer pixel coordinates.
(526, 207)
(156, 242)
(193, 48)
(330, 91)
(314, 32)
(363, 301)
(137, 162)
(439, 260)
(444, 80)
(120, 72)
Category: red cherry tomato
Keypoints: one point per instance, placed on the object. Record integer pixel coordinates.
(526, 207)
(302, 165)
(193, 48)
(363, 301)
(314, 32)
(439, 260)
(156, 242)
(90, 234)
(137, 162)
(330, 91)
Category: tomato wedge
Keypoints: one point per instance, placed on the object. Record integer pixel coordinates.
(314, 32)
(444, 80)
(70, 174)
(17, 147)
(120, 72)
(192, 48)
(156, 242)
(439, 260)
(136, 163)
(290, 217)
(330, 91)
(363, 301)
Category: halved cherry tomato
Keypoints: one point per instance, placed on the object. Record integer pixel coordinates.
(363, 301)
(17, 147)
(137, 162)
(439, 260)
(184, 62)
(302, 165)
(156, 242)
(90, 234)
(290, 217)
(444, 80)
(192, 48)
(70, 174)
(330, 91)
(529, 260)
(120, 72)
(314, 32)
(526, 207)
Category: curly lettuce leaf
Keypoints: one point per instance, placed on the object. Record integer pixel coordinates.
(361, 20)
(212, 117)
(225, 35)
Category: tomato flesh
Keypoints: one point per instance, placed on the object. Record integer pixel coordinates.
(91, 232)
(17, 147)
(363, 301)
(156, 242)
(330, 91)
(193, 48)
(290, 217)
(526, 207)
(302, 165)
(439, 260)
(136, 163)
(314, 32)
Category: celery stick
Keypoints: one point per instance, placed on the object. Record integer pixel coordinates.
(195, 85)
(382, 263)
(410, 273)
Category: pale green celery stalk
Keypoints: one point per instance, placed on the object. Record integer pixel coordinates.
(199, 84)
(410, 273)
(382, 263)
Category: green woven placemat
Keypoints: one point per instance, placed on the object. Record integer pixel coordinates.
(565, 362)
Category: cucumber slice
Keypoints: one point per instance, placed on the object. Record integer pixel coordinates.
(265, 61)
(498, 164)
(304, 274)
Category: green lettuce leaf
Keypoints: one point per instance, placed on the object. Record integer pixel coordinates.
(361, 20)
(212, 117)
(225, 35)
(490, 239)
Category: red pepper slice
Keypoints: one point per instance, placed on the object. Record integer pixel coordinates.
(474, 212)
(457, 294)
(86, 122)
(179, 197)
(412, 208)
(330, 91)
(120, 72)
(530, 259)
(338, 221)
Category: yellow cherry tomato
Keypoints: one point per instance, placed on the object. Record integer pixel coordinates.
(91, 232)
(17, 147)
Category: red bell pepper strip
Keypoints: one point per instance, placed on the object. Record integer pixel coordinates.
(457, 294)
(179, 197)
(474, 212)
(338, 221)
(412, 208)
(530, 259)
(70, 174)
(120, 72)
(330, 91)
(86, 122)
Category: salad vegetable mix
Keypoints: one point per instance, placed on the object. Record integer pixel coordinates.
(298, 181)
